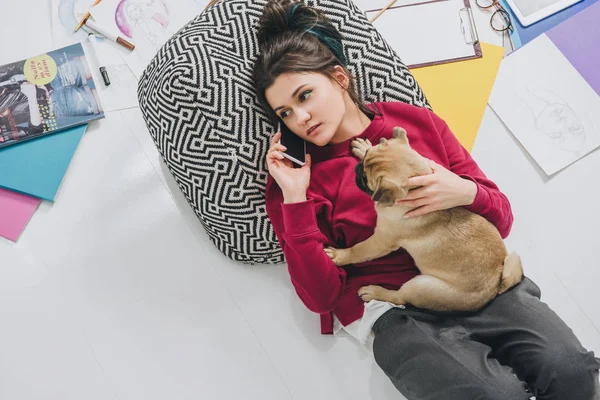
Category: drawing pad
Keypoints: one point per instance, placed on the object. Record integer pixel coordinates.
(531, 11)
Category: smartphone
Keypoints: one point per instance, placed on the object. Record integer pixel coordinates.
(296, 146)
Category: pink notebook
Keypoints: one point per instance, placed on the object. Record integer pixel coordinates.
(16, 210)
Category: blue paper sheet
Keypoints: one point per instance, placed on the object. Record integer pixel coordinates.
(37, 167)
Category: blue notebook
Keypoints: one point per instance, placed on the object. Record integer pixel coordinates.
(37, 166)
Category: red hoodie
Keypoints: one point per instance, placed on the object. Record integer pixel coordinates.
(339, 214)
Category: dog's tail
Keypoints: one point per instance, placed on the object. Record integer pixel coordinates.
(512, 273)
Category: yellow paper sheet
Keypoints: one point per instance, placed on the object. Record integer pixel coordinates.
(458, 92)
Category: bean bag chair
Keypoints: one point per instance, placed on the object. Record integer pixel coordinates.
(199, 105)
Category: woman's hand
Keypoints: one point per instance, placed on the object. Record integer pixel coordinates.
(440, 190)
(292, 181)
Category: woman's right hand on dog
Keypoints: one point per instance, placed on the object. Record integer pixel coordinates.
(292, 181)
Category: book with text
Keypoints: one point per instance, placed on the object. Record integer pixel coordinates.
(45, 94)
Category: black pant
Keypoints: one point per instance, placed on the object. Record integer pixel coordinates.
(514, 348)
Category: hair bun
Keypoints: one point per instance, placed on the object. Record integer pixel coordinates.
(287, 16)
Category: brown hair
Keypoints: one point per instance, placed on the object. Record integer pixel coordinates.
(293, 37)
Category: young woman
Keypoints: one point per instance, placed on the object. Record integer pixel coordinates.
(512, 349)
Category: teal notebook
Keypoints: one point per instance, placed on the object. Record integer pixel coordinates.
(37, 166)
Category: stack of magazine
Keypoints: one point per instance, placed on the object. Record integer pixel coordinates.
(45, 94)
(46, 102)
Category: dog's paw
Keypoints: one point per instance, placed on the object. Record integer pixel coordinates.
(338, 256)
(371, 292)
(360, 147)
(330, 251)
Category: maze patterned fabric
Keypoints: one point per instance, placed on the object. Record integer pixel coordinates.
(200, 108)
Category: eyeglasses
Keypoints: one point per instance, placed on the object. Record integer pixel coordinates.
(500, 21)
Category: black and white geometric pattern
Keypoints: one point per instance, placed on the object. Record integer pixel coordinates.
(200, 107)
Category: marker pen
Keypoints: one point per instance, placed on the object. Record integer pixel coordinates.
(109, 35)
(94, 54)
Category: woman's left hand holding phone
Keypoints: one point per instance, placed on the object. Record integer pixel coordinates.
(292, 181)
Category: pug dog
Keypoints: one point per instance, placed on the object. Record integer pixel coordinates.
(462, 258)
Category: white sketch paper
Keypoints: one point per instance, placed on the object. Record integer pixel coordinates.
(370, 5)
(122, 92)
(547, 105)
(443, 32)
(147, 23)
(201, 5)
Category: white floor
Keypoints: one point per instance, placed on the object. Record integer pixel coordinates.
(115, 291)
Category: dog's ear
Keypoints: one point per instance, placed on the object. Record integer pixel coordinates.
(385, 192)
(402, 192)
(383, 142)
(400, 134)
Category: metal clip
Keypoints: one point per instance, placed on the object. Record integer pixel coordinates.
(472, 28)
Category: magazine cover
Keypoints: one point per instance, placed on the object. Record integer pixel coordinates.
(45, 94)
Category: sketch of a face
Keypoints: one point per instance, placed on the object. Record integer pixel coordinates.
(134, 11)
(562, 125)
(555, 118)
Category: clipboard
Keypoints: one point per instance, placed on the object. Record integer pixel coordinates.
(432, 33)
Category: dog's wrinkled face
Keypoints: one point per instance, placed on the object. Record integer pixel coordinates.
(384, 171)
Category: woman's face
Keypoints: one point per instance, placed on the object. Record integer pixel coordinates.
(312, 105)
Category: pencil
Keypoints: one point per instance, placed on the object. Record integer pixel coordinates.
(85, 17)
(391, 3)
